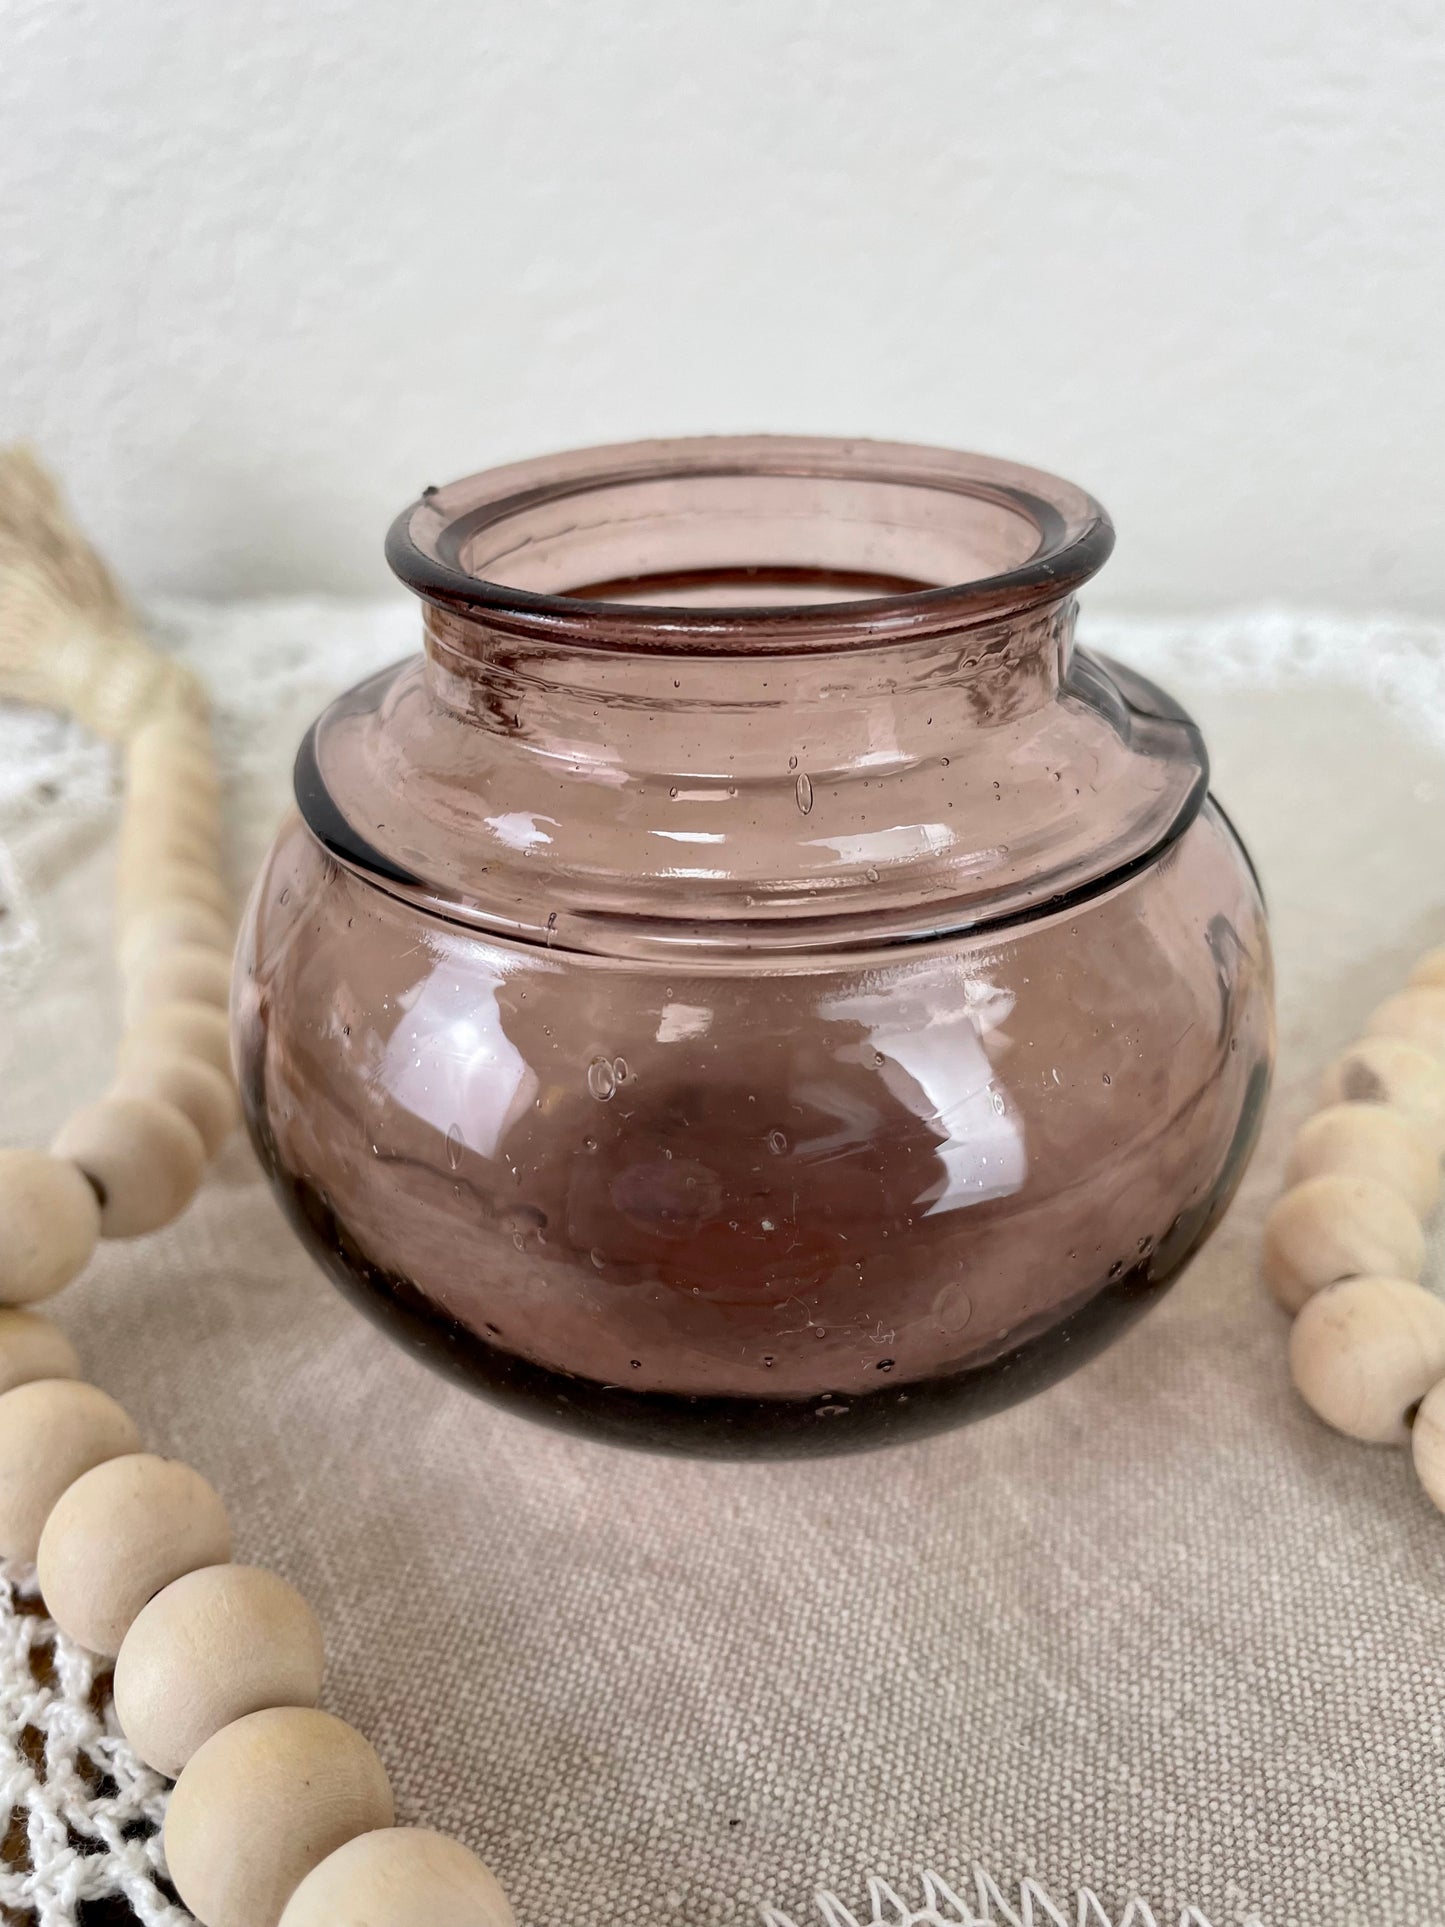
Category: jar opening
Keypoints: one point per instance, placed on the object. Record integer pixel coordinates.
(749, 543)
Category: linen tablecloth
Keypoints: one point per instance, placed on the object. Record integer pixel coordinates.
(1156, 1637)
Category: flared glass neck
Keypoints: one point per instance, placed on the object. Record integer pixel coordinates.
(890, 598)
(748, 545)
(757, 695)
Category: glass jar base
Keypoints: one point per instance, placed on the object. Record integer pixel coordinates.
(729, 1426)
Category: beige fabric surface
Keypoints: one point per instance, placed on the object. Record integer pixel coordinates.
(1157, 1633)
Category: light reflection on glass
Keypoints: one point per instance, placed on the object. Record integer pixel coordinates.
(451, 1063)
(932, 1059)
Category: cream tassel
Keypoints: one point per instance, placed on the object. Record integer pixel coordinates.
(68, 638)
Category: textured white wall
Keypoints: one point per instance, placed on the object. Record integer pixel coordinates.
(266, 269)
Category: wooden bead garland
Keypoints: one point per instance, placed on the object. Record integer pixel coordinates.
(1417, 1015)
(188, 973)
(198, 1091)
(261, 1805)
(119, 1534)
(1334, 1227)
(1427, 1443)
(1344, 1247)
(400, 1877)
(52, 1431)
(49, 1225)
(30, 1348)
(183, 1028)
(217, 1644)
(178, 922)
(1369, 1141)
(144, 1159)
(173, 877)
(278, 1808)
(169, 827)
(1389, 1070)
(1365, 1352)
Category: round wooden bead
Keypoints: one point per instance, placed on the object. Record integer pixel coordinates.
(186, 811)
(160, 925)
(1388, 1070)
(177, 732)
(1335, 1227)
(183, 1029)
(1430, 969)
(120, 1533)
(185, 815)
(1369, 1141)
(164, 836)
(51, 1432)
(261, 1805)
(144, 1159)
(164, 756)
(1417, 1015)
(188, 973)
(1427, 1444)
(1364, 1353)
(189, 802)
(400, 1877)
(177, 877)
(30, 1348)
(198, 1091)
(217, 1644)
(49, 1223)
(171, 760)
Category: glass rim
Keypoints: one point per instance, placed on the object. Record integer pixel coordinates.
(423, 546)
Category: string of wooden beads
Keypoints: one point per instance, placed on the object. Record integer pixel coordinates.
(131, 1162)
(281, 1815)
(1344, 1248)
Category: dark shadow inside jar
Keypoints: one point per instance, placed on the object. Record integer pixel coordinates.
(725, 540)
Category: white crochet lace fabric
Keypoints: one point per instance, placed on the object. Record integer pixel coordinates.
(1141, 1637)
(986, 1905)
(80, 1813)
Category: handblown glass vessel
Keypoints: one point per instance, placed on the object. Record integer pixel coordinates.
(752, 985)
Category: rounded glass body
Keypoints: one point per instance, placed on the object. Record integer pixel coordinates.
(752, 985)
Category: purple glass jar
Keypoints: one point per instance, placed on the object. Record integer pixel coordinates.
(734, 994)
